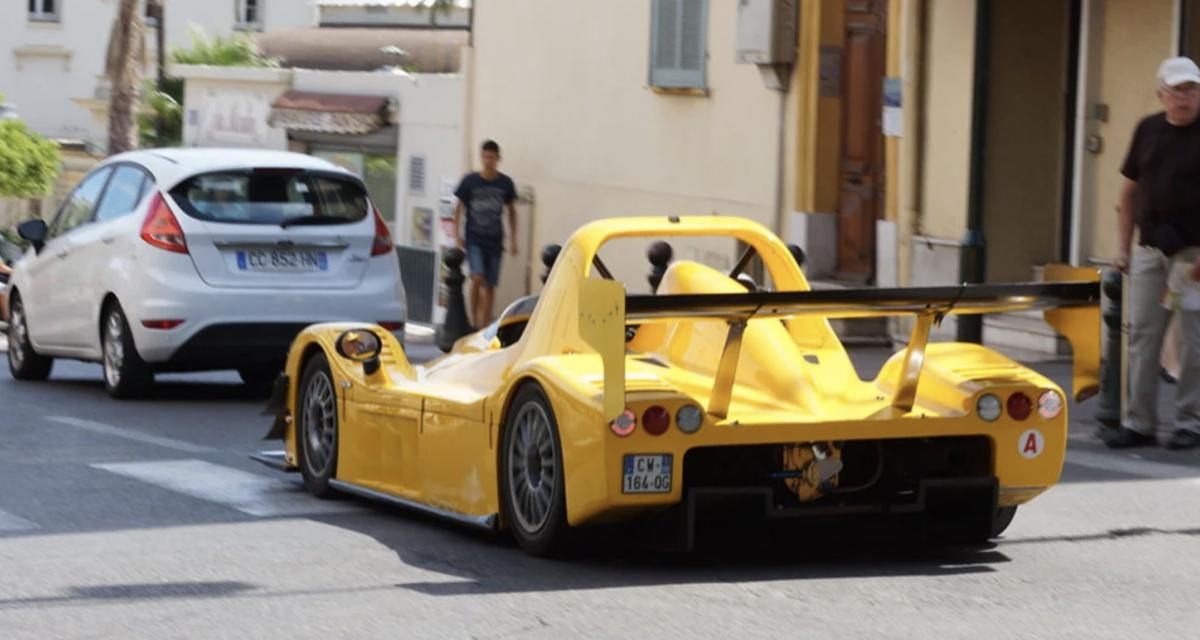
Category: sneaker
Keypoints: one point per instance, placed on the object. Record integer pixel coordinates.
(1184, 439)
(1126, 438)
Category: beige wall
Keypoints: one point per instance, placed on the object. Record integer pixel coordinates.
(947, 125)
(577, 122)
(1133, 37)
(1023, 172)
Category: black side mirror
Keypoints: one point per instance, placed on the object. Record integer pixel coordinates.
(34, 232)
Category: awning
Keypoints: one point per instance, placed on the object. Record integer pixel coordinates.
(329, 112)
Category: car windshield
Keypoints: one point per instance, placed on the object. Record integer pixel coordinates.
(283, 197)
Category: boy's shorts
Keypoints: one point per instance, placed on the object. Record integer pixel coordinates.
(484, 260)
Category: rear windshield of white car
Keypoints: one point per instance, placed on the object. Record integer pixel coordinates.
(273, 196)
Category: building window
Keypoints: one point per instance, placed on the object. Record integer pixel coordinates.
(678, 47)
(249, 14)
(43, 10)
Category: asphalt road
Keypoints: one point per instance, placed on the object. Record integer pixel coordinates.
(146, 520)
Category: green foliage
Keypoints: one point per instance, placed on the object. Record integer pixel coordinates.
(238, 50)
(164, 108)
(29, 163)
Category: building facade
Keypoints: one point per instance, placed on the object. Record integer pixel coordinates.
(52, 67)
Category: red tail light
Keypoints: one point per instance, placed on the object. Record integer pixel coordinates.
(1019, 406)
(656, 420)
(161, 229)
(161, 324)
(383, 237)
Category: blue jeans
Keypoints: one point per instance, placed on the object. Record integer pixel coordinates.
(484, 261)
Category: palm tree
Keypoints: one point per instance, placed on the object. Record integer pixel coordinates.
(123, 66)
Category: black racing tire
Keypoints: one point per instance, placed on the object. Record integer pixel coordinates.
(126, 375)
(535, 509)
(24, 363)
(1004, 517)
(317, 427)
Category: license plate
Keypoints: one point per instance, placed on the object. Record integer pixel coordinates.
(647, 474)
(282, 260)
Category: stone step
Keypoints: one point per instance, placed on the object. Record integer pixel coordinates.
(1025, 330)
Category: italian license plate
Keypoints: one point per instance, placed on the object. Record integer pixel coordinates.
(647, 474)
(282, 260)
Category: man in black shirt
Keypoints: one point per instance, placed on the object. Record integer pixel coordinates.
(1160, 197)
(484, 196)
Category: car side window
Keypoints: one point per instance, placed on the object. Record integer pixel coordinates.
(79, 206)
(122, 195)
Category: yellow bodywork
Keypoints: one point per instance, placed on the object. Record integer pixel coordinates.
(431, 433)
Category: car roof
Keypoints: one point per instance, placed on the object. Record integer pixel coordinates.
(170, 166)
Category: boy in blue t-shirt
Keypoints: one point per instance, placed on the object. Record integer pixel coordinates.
(484, 196)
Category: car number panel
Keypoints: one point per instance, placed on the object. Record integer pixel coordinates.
(282, 260)
(647, 474)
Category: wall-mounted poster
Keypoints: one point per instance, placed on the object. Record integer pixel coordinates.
(422, 227)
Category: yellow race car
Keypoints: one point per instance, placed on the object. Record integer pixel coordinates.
(586, 405)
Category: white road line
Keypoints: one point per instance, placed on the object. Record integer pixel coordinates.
(247, 492)
(9, 522)
(129, 434)
(1119, 463)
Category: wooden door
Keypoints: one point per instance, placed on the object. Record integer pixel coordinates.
(862, 167)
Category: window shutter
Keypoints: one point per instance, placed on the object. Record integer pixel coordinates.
(416, 175)
(678, 43)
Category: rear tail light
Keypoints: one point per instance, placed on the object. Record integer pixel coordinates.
(161, 229)
(988, 407)
(624, 424)
(688, 418)
(161, 324)
(1050, 404)
(390, 325)
(656, 420)
(383, 237)
(1019, 406)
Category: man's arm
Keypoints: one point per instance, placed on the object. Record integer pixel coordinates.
(512, 226)
(1125, 223)
(458, 213)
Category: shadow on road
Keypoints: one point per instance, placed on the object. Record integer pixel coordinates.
(480, 563)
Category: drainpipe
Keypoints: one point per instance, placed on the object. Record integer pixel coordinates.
(973, 259)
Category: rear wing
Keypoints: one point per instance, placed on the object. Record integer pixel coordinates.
(1070, 302)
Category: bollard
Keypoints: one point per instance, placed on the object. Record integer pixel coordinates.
(455, 325)
(659, 254)
(797, 255)
(549, 255)
(1108, 410)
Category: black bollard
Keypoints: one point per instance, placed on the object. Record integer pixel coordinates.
(1108, 409)
(659, 254)
(455, 325)
(797, 254)
(549, 255)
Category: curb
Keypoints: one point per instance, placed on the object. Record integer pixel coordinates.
(418, 334)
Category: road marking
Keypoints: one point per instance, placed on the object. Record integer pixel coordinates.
(1120, 463)
(129, 434)
(247, 492)
(9, 522)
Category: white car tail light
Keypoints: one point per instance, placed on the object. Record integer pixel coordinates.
(383, 237)
(161, 229)
(988, 407)
(1050, 404)
(689, 418)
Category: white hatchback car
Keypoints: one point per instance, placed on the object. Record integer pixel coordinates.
(199, 259)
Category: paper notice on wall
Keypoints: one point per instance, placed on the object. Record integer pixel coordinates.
(893, 111)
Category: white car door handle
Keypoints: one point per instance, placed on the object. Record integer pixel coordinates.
(62, 254)
(109, 240)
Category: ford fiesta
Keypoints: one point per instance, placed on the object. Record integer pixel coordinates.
(198, 259)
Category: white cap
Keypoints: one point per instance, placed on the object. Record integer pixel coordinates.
(1176, 71)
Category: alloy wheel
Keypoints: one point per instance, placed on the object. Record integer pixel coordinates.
(320, 422)
(532, 469)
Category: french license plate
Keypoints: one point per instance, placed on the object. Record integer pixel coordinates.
(282, 260)
(647, 474)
